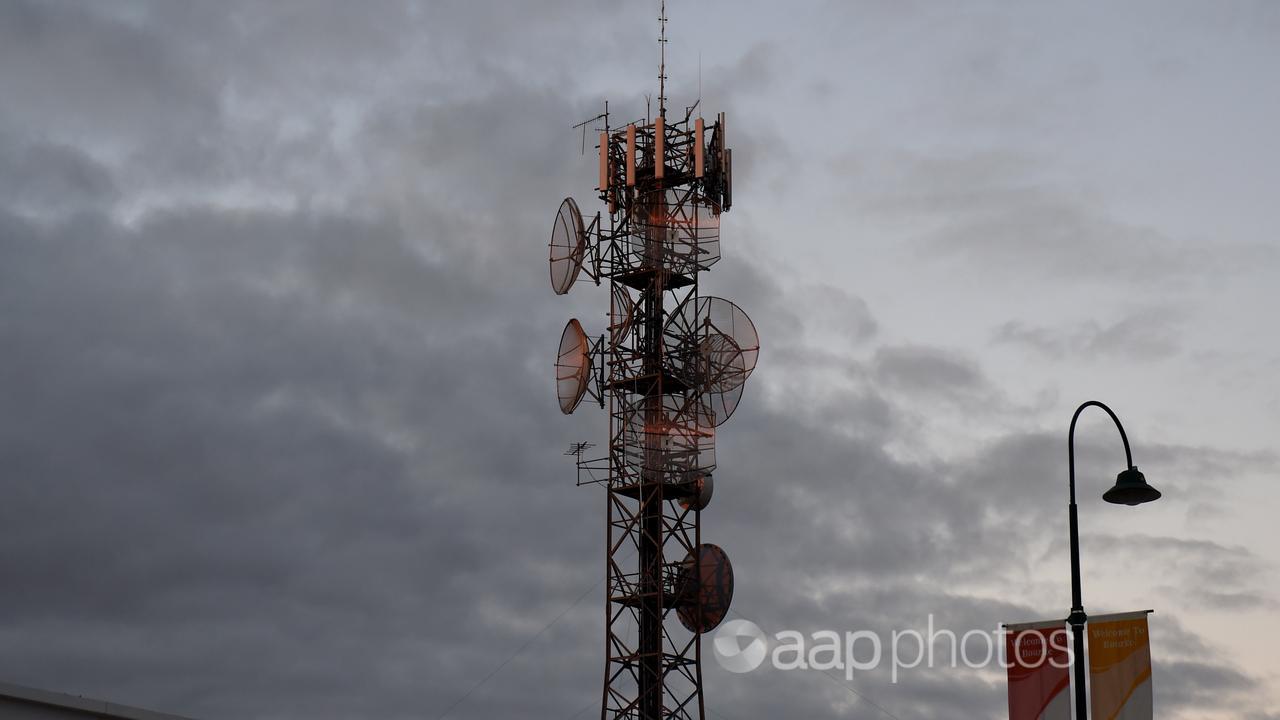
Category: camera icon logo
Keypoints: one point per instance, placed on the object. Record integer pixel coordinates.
(740, 646)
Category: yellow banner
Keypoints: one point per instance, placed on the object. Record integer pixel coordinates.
(1120, 667)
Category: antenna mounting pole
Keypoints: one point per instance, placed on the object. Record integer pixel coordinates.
(662, 60)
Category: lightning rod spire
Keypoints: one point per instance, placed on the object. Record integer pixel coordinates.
(662, 60)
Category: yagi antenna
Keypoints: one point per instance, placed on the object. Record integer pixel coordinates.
(588, 121)
(576, 449)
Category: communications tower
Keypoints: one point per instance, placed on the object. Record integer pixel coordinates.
(670, 368)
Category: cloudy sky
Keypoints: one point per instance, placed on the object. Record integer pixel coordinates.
(278, 433)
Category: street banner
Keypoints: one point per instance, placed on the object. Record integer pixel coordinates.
(1120, 667)
(1039, 670)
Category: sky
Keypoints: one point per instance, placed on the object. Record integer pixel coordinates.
(278, 428)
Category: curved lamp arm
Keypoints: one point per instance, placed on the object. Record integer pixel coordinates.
(1071, 443)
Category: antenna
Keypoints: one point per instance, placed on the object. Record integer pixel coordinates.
(576, 449)
(662, 62)
(588, 121)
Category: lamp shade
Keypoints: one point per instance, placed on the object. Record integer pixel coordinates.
(1131, 488)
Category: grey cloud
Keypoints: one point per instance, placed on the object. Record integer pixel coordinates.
(1141, 336)
(1209, 465)
(931, 373)
(1021, 472)
(1210, 575)
(834, 313)
(46, 180)
(222, 450)
(927, 369)
(1193, 684)
(1233, 601)
(1004, 218)
(85, 74)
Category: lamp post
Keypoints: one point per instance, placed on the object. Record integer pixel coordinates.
(1131, 488)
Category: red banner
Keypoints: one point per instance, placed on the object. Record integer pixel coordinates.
(1039, 670)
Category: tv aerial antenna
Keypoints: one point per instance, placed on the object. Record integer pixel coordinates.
(577, 449)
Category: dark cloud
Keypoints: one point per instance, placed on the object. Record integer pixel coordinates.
(926, 370)
(43, 179)
(241, 447)
(97, 76)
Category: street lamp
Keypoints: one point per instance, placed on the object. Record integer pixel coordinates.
(1131, 488)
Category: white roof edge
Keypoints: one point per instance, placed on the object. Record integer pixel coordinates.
(82, 704)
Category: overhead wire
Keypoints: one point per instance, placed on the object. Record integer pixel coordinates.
(521, 649)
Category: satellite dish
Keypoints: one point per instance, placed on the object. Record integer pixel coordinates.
(717, 402)
(622, 310)
(700, 489)
(568, 246)
(573, 366)
(712, 343)
(706, 586)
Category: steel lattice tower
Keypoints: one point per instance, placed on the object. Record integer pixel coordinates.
(671, 368)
